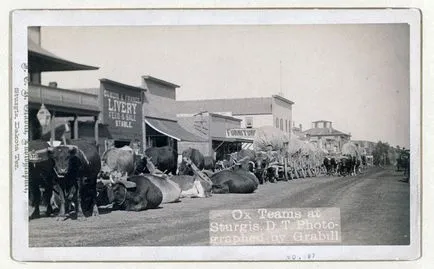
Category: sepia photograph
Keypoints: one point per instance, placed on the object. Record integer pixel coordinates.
(220, 135)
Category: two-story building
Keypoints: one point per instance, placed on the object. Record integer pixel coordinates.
(252, 112)
(61, 103)
(161, 125)
(326, 137)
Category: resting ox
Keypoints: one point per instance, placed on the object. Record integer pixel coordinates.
(235, 180)
(135, 194)
(77, 167)
(170, 190)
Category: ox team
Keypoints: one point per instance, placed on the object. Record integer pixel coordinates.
(82, 180)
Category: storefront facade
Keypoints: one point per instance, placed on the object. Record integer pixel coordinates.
(213, 128)
(161, 124)
(122, 113)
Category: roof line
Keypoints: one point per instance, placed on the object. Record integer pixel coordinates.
(283, 99)
(158, 118)
(160, 81)
(219, 99)
(224, 116)
(121, 84)
(38, 50)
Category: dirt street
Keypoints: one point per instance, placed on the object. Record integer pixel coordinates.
(374, 209)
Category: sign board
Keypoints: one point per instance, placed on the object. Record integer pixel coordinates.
(122, 111)
(248, 133)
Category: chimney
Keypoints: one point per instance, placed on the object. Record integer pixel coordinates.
(52, 84)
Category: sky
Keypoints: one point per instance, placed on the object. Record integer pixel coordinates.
(356, 76)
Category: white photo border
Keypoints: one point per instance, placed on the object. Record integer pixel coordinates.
(21, 19)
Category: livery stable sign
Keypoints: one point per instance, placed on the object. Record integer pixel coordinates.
(122, 109)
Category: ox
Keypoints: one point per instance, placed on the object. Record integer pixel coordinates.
(77, 167)
(41, 174)
(245, 154)
(330, 165)
(118, 159)
(261, 167)
(233, 181)
(209, 163)
(170, 190)
(346, 165)
(136, 194)
(164, 158)
(196, 157)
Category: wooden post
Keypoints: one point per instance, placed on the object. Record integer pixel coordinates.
(52, 128)
(96, 131)
(285, 168)
(75, 127)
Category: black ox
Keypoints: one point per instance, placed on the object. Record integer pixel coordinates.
(163, 158)
(196, 157)
(41, 174)
(76, 167)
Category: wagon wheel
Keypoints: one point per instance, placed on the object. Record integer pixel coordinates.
(285, 169)
(303, 172)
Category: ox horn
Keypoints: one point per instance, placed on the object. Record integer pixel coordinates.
(111, 179)
(126, 183)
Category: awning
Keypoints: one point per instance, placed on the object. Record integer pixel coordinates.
(223, 139)
(231, 139)
(173, 129)
(43, 60)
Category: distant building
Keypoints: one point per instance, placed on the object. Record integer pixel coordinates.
(367, 147)
(326, 137)
(298, 130)
(253, 112)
